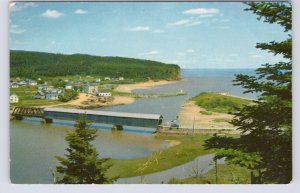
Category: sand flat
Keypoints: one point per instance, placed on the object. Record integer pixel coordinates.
(190, 113)
(143, 85)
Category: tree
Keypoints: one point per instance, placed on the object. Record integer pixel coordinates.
(81, 164)
(265, 144)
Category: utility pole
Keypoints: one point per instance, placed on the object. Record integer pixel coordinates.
(194, 125)
(216, 166)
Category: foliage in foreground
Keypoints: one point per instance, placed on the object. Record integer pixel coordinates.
(81, 164)
(227, 174)
(265, 145)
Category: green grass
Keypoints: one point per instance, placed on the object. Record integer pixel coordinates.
(189, 148)
(219, 103)
(25, 94)
(227, 174)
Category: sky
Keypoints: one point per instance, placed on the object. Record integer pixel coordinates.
(190, 34)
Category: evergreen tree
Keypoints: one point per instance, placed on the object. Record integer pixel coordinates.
(265, 144)
(81, 164)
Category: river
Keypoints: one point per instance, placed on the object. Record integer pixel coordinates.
(34, 145)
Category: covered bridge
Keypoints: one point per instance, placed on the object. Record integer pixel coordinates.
(106, 117)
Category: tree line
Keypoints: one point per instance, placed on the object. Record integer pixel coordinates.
(30, 64)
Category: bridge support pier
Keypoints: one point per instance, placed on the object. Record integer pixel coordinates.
(117, 127)
(18, 117)
(48, 120)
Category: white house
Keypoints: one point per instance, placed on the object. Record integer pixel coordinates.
(104, 94)
(13, 98)
(69, 87)
(32, 82)
(14, 85)
(23, 82)
(107, 78)
(98, 80)
(121, 78)
(53, 94)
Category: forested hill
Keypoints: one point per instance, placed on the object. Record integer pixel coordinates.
(35, 64)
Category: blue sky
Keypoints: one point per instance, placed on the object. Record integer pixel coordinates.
(192, 35)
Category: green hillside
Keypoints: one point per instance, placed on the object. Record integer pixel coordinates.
(29, 64)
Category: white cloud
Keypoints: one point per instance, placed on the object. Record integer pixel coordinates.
(150, 53)
(158, 31)
(52, 14)
(139, 28)
(194, 23)
(16, 29)
(180, 22)
(21, 5)
(190, 50)
(200, 11)
(80, 11)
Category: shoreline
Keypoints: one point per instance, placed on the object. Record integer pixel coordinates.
(85, 100)
(128, 88)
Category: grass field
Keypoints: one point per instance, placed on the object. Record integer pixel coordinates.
(227, 174)
(219, 103)
(188, 148)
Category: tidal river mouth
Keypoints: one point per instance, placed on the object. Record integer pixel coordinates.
(33, 145)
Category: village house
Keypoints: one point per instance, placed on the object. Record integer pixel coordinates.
(77, 76)
(13, 98)
(32, 82)
(22, 82)
(68, 86)
(49, 94)
(53, 94)
(42, 87)
(14, 85)
(39, 95)
(107, 78)
(104, 94)
(121, 78)
(98, 80)
(91, 88)
(108, 86)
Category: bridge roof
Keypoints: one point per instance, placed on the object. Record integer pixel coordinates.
(106, 113)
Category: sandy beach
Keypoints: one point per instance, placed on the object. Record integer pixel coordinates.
(190, 111)
(143, 85)
(84, 101)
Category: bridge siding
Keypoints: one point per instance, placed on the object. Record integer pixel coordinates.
(129, 121)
